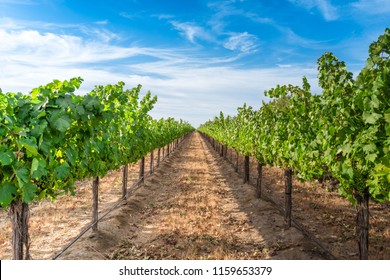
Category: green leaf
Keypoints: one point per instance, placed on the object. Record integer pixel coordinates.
(34, 165)
(7, 193)
(39, 128)
(62, 172)
(62, 124)
(80, 110)
(346, 171)
(38, 169)
(375, 103)
(371, 117)
(42, 114)
(6, 157)
(387, 117)
(369, 148)
(35, 92)
(346, 149)
(371, 157)
(22, 176)
(28, 192)
(30, 145)
(42, 195)
(71, 155)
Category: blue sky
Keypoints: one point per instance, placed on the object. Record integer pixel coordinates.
(199, 57)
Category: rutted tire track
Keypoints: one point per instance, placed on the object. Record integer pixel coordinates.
(194, 207)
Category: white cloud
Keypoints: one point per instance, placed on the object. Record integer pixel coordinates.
(294, 39)
(243, 42)
(34, 48)
(188, 85)
(191, 31)
(163, 16)
(372, 7)
(130, 16)
(328, 11)
(102, 22)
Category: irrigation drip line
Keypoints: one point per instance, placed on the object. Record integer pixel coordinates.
(129, 192)
(133, 188)
(298, 225)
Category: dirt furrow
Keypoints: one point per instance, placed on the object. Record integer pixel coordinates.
(194, 207)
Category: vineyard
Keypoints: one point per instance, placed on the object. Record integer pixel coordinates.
(313, 173)
(195, 206)
(342, 135)
(53, 137)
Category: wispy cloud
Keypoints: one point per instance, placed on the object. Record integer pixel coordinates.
(35, 48)
(325, 7)
(192, 31)
(243, 42)
(182, 79)
(102, 22)
(128, 15)
(293, 38)
(372, 7)
(163, 16)
(225, 9)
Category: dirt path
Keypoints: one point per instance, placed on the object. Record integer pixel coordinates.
(194, 207)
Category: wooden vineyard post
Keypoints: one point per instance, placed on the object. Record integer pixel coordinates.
(95, 202)
(158, 157)
(225, 152)
(142, 170)
(163, 152)
(259, 177)
(20, 214)
(362, 223)
(221, 149)
(246, 169)
(288, 202)
(151, 162)
(237, 161)
(124, 180)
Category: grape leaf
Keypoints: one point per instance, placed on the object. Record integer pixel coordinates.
(22, 176)
(62, 172)
(62, 124)
(6, 157)
(38, 169)
(371, 117)
(7, 193)
(30, 145)
(29, 192)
